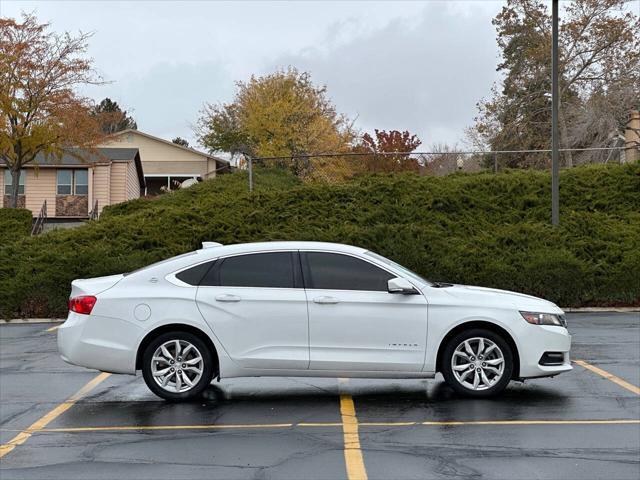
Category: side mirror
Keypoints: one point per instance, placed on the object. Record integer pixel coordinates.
(401, 285)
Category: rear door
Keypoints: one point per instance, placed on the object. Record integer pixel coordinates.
(354, 323)
(257, 307)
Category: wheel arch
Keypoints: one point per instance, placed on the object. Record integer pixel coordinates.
(177, 327)
(488, 326)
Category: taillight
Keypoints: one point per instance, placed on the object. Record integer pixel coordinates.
(83, 304)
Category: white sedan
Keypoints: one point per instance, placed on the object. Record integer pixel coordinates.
(306, 309)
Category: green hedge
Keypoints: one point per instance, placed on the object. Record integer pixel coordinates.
(15, 223)
(486, 229)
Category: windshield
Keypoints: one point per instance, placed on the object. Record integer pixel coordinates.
(397, 266)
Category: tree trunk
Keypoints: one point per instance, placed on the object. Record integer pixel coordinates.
(564, 137)
(15, 186)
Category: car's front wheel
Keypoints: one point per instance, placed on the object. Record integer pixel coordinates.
(477, 363)
(177, 366)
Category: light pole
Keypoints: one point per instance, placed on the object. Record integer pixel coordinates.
(555, 138)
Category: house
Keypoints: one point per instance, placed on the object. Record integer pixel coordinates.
(166, 165)
(77, 184)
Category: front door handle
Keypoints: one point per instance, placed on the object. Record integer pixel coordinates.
(326, 300)
(228, 298)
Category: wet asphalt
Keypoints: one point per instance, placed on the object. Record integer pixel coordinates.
(34, 380)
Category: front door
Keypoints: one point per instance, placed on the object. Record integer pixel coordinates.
(354, 323)
(256, 306)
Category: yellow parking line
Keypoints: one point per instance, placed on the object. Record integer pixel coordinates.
(40, 424)
(501, 422)
(130, 428)
(609, 376)
(167, 427)
(536, 422)
(52, 329)
(387, 424)
(319, 424)
(352, 452)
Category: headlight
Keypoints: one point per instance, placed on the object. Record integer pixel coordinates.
(544, 319)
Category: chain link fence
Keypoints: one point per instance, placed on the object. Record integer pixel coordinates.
(340, 167)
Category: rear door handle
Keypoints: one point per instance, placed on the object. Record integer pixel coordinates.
(228, 298)
(326, 300)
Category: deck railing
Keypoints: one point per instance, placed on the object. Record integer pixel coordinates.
(93, 214)
(38, 225)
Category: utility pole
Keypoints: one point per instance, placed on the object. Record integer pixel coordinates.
(555, 135)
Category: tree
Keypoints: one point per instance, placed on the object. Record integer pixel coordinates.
(280, 114)
(40, 112)
(112, 118)
(599, 48)
(386, 142)
(180, 141)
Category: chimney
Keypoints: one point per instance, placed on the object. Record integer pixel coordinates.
(632, 138)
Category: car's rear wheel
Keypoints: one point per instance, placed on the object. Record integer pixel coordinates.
(477, 363)
(177, 366)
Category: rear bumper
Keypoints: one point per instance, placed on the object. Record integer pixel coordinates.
(540, 339)
(103, 343)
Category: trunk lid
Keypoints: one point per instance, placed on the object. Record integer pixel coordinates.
(94, 286)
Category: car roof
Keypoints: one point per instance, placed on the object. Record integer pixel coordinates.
(212, 252)
(278, 245)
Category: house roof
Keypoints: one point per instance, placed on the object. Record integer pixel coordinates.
(80, 156)
(175, 145)
(85, 157)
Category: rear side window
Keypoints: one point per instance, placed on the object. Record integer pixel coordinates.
(194, 275)
(333, 271)
(261, 270)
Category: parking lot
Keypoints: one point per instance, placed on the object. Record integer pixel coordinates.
(59, 421)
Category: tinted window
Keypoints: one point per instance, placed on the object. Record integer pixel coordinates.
(273, 270)
(194, 275)
(333, 271)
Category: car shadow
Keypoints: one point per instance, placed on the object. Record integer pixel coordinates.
(294, 400)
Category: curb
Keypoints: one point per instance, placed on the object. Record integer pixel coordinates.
(31, 320)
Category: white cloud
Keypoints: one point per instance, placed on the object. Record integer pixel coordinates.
(412, 65)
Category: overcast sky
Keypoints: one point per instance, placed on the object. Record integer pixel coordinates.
(419, 65)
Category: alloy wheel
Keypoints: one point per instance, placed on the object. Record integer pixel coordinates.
(177, 366)
(478, 363)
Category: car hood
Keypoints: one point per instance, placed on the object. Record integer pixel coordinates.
(493, 297)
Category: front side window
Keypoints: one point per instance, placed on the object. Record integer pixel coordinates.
(73, 182)
(334, 271)
(8, 182)
(261, 270)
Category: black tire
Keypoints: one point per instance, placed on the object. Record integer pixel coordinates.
(208, 370)
(458, 386)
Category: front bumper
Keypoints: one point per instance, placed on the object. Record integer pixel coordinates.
(536, 341)
(103, 343)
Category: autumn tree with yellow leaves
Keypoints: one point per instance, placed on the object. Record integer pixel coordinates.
(283, 114)
(40, 110)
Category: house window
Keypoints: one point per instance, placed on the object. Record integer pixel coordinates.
(8, 182)
(81, 182)
(73, 182)
(65, 182)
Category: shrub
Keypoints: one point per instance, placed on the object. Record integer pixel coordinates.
(492, 230)
(15, 223)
